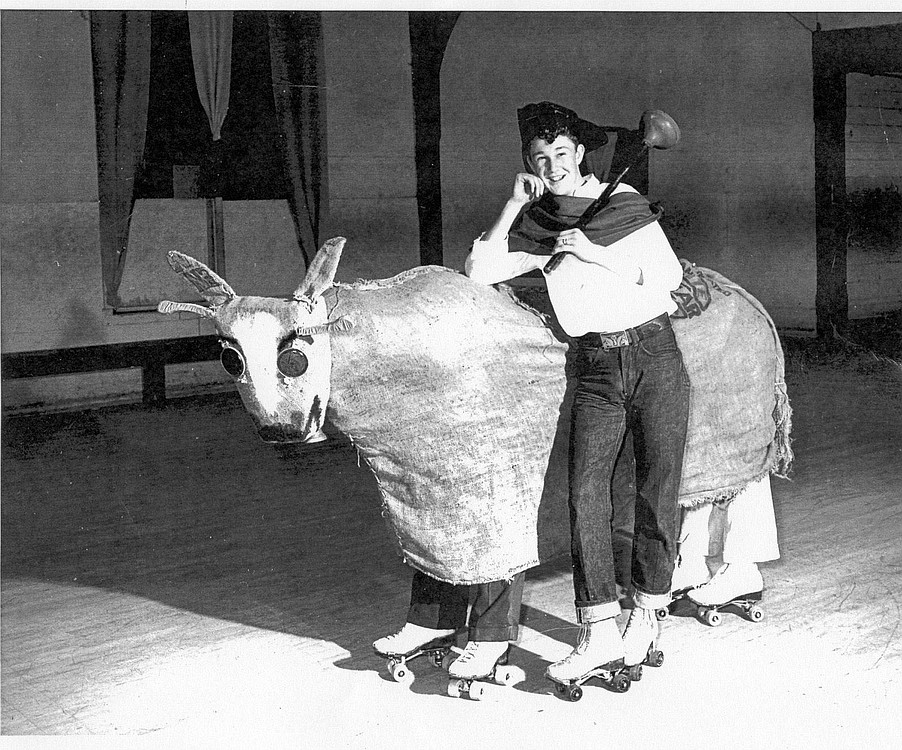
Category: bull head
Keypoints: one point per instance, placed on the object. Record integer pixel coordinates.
(277, 350)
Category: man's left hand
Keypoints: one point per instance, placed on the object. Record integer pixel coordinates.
(574, 241)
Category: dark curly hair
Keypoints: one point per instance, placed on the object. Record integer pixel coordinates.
(549, 133)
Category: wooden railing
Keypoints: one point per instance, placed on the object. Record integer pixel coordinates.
(151, 356)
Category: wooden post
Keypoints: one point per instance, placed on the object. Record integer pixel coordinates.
(831, 301)
(429, 34)
(153, 383)
(215, 236)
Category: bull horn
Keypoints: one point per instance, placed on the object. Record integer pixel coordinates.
(211, 286)
(170, 307)
(322, 270)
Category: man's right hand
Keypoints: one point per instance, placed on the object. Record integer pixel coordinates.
(527, 188)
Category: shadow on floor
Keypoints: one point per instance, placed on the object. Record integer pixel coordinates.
(185, 506)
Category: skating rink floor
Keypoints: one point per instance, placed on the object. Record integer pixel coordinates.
(168, 580)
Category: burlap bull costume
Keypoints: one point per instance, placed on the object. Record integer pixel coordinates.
(453, 393)
(456, 395)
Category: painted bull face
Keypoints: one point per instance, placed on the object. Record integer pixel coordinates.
(277, 350)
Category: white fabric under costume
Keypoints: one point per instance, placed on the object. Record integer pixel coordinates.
(743, 530)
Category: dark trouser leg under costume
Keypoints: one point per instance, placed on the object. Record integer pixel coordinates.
(495, 615)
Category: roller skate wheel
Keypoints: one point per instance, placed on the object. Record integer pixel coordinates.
(655, 658)
(756, 614)
(712, 617)
(400, 673)
(636, 673)
(437, 659)
(574, 692)
(662, 613)
(455, 688)
(509, 675)
(621, 683)
(476, 691)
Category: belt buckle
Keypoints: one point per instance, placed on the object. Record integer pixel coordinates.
(615, 340)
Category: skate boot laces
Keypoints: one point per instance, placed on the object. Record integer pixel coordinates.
(640, 617)
(642, 624)
(582, 646)
(478, 658)
(593, 649)
(639, 635)
(585, 637)
(410, 638)
(731, 581)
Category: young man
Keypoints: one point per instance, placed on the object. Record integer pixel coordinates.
(611, 293)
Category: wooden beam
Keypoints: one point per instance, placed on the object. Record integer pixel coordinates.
(151, 356)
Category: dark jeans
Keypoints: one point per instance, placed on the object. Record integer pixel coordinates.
(642, 389)
(623, 501)
(495, 615)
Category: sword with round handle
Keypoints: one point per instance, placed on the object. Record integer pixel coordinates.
(660, 131)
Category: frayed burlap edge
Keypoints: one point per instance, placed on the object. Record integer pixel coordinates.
(780, 451)
(783, 420)
(469, 582)
(393, 280)
(781, 461)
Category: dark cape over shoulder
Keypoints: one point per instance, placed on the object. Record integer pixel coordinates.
(536, 229)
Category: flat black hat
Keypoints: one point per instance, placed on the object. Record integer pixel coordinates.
(545, 118)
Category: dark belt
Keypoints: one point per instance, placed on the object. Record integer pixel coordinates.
(627, 337)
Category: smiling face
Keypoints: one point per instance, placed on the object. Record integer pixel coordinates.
(557, 163)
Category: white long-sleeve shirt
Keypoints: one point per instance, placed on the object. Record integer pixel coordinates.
(629, 284)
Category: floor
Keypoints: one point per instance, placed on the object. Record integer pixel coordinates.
(170, 581)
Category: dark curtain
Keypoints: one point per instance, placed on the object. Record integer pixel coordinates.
(296, 55)
(120, 51)
(211, 54)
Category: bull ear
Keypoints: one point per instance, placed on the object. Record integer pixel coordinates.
(170, 307)
(322, 270)
(213, 288)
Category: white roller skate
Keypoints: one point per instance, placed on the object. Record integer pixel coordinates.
(411, 642)
(688, 573)
(640, 641)
(598, 654)
(478, 663)
(738, 584)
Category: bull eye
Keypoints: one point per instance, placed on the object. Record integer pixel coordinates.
(292, 363)
(232, 361)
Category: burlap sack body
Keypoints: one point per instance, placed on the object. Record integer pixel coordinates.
(457, 398)
(739, 418)
(451, 393)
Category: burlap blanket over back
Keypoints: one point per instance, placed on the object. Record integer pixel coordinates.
(457, 397)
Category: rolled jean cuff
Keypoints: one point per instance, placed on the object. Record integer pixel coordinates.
(586, 613)
(650, 601)
(499, 633)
